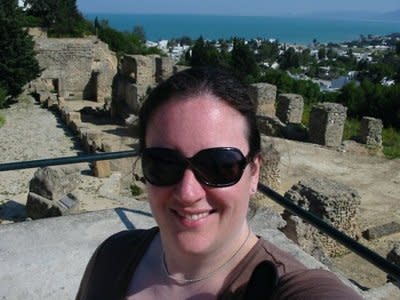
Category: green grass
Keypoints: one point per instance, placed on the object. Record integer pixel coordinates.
(2, 120)
(351, 129)
(306, 114)
(391, 142)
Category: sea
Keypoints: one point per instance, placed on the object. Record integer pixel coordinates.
(294, 30)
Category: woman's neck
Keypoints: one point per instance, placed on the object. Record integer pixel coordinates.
(185, 268)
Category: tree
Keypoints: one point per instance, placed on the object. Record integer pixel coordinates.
(139, 32)
(398, 48)
(321, 53)
(203, 54)
(243, 61)
(61, 17)
(18, 64)
(289, 59)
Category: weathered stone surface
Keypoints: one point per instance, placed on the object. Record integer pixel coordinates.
(262, 218)
(164, 68)
(38, 207)
(270, 173)
(270, 125)
(289, 108)
(265, 94)
(54, 182)
(80, 68)
(327, 124)
(379, 231)
(331, 201)
(102, 168)
(371, 131)
(92, 140)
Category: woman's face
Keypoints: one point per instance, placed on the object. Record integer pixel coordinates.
(192, 217)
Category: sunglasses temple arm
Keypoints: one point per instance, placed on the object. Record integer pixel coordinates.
(345, 240)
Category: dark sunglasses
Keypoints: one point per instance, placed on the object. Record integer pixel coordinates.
(215, 167)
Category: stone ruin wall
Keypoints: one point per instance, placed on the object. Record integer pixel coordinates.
(137, 74)
(77, 68)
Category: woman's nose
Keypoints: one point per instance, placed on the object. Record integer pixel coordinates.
(189, 189)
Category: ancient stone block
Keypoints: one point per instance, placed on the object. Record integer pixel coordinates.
(327, 124)
(331, 201)
(92, 140)
(289, 108)
(54, 182)
(73, 116)
(38, 207)
(379, 231)
(371, 131)
(102, 168)
(265, 94)
(269, 173)
(270, 125)
(140, 68)
(164, 68)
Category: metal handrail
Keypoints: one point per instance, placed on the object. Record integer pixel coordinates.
(364, 252)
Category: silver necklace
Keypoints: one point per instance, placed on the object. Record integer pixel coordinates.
(205, 276)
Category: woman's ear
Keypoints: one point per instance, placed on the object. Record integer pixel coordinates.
(255, 166)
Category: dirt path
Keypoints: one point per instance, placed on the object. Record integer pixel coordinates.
(31, 133)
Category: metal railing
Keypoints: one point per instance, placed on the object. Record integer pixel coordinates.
(354, 246)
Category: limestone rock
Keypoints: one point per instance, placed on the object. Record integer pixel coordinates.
(332, 202)
(38, 207)
(289, 108)
(54, 182)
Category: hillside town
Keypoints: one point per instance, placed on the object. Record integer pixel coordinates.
(366, 49)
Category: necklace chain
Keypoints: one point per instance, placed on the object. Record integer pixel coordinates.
(205, 276)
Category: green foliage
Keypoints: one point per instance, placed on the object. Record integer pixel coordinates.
(351, 128)
(289, 59)
(3, 97)
(268, 52)
(136, 190)
(243, 62)
(204, 53)
(373, 100)
(123, 42)
(286, 84)
(18, 64)
(391, 142)
(2, 120)
(139, 33)
(61, 17)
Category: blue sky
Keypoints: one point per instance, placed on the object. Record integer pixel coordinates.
(235, 7)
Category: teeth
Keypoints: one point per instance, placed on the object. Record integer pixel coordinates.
(195, 217)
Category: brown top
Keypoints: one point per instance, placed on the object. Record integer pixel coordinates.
(113, 264)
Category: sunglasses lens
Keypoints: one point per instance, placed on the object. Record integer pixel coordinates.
(162, 166)
(219, 166)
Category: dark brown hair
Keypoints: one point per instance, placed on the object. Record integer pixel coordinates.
(198, 80)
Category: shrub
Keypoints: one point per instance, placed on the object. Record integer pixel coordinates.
(391, 142)
(3, 97)
(2, 120)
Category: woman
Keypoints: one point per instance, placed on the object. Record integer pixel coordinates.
(200, 156)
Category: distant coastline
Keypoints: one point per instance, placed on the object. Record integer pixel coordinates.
(294, 29)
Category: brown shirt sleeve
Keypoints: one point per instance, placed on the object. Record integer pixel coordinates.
(313, 284)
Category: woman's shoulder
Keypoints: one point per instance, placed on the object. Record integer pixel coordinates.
(313, 284)
(284, 261)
